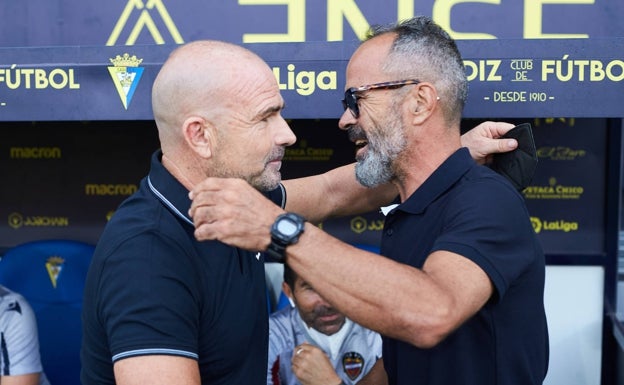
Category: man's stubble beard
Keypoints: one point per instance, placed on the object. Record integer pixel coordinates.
(267, 180)
(376, 167)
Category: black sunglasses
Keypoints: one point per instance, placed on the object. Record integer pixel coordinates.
(350, 100)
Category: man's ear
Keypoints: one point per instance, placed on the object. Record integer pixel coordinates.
(198, 134)
(286, 289)
(289, 293)
(422, 101)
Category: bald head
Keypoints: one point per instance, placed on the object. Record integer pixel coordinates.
(196, 80)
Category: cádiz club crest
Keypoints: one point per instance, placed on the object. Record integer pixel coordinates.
(126, 74)
(54, 266)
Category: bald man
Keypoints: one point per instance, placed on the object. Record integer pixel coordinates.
(163, 308)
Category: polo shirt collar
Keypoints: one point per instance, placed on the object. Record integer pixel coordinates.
(449, 172)
(168, 189)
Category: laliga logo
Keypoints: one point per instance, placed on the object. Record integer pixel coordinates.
(556, 225)
(126, 74)
(358, 225)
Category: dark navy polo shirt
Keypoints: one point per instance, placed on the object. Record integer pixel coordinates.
(153, 289)
(470, 210)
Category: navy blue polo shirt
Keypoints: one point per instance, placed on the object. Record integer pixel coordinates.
(153, 289)
(470, 210)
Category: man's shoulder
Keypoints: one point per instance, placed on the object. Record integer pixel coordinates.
(282, 317)
(9, 298)
(140, 219)
(484, 178)
(4, 292)
(133, 209)
(282, 333)
(14, 310)
(283, 324)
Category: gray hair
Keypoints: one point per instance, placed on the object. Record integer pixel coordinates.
(425, 51)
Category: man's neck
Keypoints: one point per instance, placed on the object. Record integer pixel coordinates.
(178, 172)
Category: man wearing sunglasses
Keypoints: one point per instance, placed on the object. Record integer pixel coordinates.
(458, 292)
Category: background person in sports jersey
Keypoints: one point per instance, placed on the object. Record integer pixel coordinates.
(311, 343)
(20, 363)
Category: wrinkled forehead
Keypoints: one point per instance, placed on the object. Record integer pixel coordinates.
(366, 63)
(256, 91)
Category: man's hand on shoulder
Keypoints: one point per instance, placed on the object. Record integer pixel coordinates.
(233, 212)
(483, 140)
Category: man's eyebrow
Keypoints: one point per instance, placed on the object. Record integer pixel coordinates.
(268, 112)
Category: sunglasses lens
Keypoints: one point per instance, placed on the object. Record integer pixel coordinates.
(350, 102)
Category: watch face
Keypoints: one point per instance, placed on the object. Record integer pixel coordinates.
(287, 227)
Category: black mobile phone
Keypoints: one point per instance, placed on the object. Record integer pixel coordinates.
(518, 165)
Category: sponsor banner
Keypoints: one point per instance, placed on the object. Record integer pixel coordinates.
(65, 179)
(140, 22)
(567, 196)
(73, 175)
(511, 78)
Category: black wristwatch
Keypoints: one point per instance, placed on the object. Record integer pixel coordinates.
(285, 231)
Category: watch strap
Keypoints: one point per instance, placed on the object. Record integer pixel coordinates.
(276, 251)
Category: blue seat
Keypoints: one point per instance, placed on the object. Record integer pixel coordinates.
(50, 274)
(282, 301)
